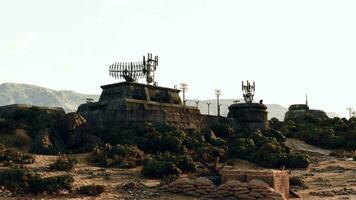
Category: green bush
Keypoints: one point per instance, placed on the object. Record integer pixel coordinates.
(64, 163)
(19, 180)
(241, 148)
(271, 155)
(159, 169)
(91, 190)
(4, 123)
(124, 156)
(275, 134)
(50, 185)
(298, 161)
(15, 157)
(168, 164)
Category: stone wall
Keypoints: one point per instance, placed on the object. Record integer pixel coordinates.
(231, 190)
(278, 180)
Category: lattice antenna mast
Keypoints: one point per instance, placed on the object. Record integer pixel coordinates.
(248, 91)
(150, 67)
(132, 71)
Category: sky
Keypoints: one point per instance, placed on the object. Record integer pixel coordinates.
(289, 48)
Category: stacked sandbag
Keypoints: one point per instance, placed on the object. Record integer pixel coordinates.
(231, 190)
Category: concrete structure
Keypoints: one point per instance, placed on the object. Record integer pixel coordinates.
(278, 180)
(126, 103)
(301, 111)
(248, 116)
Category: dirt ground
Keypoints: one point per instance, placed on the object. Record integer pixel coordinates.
(326, 178)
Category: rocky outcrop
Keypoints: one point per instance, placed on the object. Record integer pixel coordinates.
(44, 143)
(203, 187)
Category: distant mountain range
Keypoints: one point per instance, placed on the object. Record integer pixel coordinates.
(12, 93)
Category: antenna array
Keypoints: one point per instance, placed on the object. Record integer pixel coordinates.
(248, 91)
(132, 71)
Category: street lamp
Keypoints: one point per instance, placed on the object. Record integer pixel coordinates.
(197, 102)
(208, 107)
(218, 94)
(184, 88)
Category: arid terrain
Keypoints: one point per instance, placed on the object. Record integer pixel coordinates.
(326, 178)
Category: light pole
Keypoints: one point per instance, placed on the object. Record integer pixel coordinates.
(208, 107)
(197, 102)
(184, 88)
(218, 94)
(351, 111)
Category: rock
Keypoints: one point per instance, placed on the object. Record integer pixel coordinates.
(43, 143)
(69, 123)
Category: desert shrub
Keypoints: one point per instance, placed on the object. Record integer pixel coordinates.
(125, 156)
(168, 164)
(18, 180)
(275, 134)
(275, 123)
(14, 179)
(241, 148)
(159, 169)
(271, 155)
(184, 162)
(64, 163)
(15, 157)
(91, 190)
(298, 160)
(4, 123)
(50, 185)
(223, 129)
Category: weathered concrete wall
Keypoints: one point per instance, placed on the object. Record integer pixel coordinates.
(278, 180)
(231, 190)
(249, 116)
(124, 104)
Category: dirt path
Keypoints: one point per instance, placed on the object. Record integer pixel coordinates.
(328, 177)
(300, 145)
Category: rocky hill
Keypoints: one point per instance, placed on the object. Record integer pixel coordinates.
(12, 93)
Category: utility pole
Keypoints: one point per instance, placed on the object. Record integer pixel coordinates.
(184, 88)
(218, 94)
(351, 111)
(208, 107)
(197, 102)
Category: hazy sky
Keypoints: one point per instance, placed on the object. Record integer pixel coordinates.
(289, 48)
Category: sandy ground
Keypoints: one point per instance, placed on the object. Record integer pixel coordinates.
(324, 175)
(327, 177)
